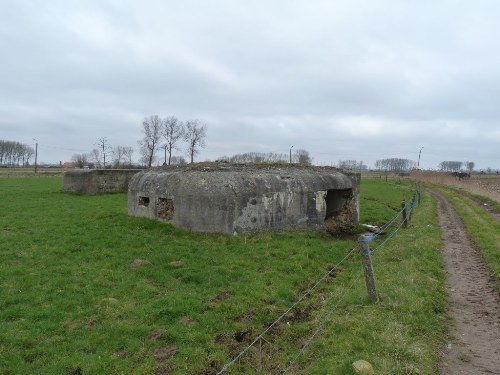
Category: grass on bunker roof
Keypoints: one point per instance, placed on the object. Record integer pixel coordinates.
(84, 288)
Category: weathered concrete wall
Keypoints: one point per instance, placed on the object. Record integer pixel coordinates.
(237, 199)
(98, 181)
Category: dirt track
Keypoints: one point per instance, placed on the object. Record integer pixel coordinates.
(474, 305)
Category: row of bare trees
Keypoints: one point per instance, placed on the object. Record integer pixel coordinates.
(352, 165)
(456, 166)
(15, 154)
(299, 156)
(103, 156)
(255, 157)
(395, 165)
(166, 134)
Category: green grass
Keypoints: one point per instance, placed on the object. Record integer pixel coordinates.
(381, 200)
(399, 334)
(72, 301)
(483, 228)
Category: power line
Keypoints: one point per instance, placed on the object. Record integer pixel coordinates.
(61, 148)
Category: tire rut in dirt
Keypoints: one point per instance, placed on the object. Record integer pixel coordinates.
(474, 305)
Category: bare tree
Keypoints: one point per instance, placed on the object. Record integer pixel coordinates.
(117, 156)
(104, 149)
(195, 137)
(122, 156)
(173, 131)
(302, 157)
(451, 166)
(352, 165)
(470, 166)
(95, 156)
(128, 151)
(255, 157)
(80, 159)
(28, 153)
(152, 129)
(395, 165)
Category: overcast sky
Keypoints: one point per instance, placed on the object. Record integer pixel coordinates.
(357, 79)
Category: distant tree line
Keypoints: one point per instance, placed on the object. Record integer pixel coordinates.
(395, 165)
(299, 156)
(255, 157)
(352, 165)
(105, 156)
(302, 157)
(166, 134)
(456, 166)
(15, 154)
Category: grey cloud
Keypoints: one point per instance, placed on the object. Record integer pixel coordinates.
(342, 79)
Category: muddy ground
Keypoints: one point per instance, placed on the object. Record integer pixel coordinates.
(473, 345)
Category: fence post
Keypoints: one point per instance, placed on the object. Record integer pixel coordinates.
(366, 261)
(410, 211)
(403, 206)
(418, 194)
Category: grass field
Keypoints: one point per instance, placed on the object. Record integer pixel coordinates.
(86, 289)
(30, 172)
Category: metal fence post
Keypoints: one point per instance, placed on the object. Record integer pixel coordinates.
(366, 261)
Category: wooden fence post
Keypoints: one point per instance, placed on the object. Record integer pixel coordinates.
(418, 194)
(366, 261)
(403, 206)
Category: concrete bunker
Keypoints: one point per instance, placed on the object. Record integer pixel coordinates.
(246, 198)
(98, 181)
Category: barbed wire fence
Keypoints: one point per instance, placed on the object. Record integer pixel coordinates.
(377, 241)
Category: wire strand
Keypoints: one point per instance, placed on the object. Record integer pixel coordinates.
(307, 293)
(310, 290)
(323, 323)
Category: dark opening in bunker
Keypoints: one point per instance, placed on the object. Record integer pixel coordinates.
(165, 209)
(144, 201)
(340, 210)
(336, 201)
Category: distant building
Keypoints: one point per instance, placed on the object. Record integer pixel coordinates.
(69, 165)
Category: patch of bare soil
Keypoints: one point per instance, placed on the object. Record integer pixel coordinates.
(162, 354)
(139, 262)
(187, 321)
(246, 317)
(474, 305)
(157, 334)
(223, 296)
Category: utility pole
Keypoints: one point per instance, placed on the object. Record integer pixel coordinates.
(291, 155)
(418, 164)
(36, 155)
